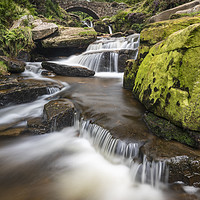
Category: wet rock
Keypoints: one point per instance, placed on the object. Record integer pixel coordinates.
(130, 32)
(167, 81)
(57, 114)
(125, 55)
(65, 70)
(118, 34)
(47, 73)
(13, 65)
(182, 160)
(13, 132)
(17, 91)
(71, 37)
(130, 73)
(43, 30)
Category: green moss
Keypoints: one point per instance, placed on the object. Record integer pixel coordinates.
(165, 129)
(88, 33)
(168, 80)
(3, 68)
(159, 31)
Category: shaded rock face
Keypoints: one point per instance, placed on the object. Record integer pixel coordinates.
(165, 129)
(65, 70)
(14, 65)
(17, 91)
(130, 73)
(124, 55)
(43, 30)
(167, 81)
(57, 114)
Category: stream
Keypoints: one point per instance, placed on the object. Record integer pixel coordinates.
(98, 158)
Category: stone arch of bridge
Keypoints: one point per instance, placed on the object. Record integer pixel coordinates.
(83, 9)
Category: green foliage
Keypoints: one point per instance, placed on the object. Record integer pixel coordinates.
(16, 40)
(11, 10)
(52, 9)
(120, 21)
(3, 68)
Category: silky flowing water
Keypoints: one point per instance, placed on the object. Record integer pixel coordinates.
(98, 158)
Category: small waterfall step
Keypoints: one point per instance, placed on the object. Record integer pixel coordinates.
(117, 151)
(107, 54)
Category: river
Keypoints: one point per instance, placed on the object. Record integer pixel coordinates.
(98, 158)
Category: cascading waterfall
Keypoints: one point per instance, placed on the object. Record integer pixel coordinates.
(102, 55)
(117, 151)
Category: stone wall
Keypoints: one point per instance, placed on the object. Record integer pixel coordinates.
(99, 8)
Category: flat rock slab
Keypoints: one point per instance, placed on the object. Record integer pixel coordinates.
(71, 37)
(17, 90)
(43, 30)
(66, 70)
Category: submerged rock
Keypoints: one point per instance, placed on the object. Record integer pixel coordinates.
(65, 70)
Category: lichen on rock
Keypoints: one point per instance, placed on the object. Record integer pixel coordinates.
(168, 80)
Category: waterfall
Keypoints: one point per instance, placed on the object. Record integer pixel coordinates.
(110, 30)
(118, 151)
(88, 23)
(103, 55)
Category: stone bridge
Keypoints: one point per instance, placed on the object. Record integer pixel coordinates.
(94, 9)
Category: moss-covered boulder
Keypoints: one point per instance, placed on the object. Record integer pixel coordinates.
(152, 34)
(168, 80)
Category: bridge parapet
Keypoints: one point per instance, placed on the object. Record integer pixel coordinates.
(94, 9)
